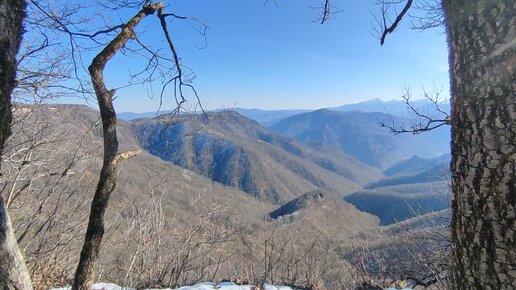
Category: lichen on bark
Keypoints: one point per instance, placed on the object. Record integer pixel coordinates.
(481, 37)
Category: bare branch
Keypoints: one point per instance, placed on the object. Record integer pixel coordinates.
(203, 27)
(432, 15)
(326, 11)
(427, 118)
(386, 25)
(107, 181)
(178, 81)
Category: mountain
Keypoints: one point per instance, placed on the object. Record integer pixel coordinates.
(265, 117)
(434, 174)
(159, 213)
(416, 164)
(393, 204)
(299, 205)
(359, 134)
(320, 210)
(432, 219)
(73, 138)
(128, 116)
(413, 187)
(162, 214)
(236, 151)
(393, 107)
(269, 117)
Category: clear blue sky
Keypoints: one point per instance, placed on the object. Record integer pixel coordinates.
(276, 57)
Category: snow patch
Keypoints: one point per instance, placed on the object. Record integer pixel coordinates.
(198, 286)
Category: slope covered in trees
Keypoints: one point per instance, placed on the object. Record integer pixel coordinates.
(483, 117)
(236, 151)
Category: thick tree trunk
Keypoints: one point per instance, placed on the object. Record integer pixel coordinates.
(83, 279)
(482, 43)
(13, 272)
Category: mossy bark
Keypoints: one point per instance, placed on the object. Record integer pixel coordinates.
(482, 44)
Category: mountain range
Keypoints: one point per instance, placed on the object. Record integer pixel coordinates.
(236, 151)
(359, 134)
(281, 155)
(346, 154)
(233, 184)
(341, 154)
(269, 117)
(317, 177)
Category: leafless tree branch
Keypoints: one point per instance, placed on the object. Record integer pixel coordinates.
(386, 26)
(428, 117)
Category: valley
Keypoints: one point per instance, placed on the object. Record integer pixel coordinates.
(221, 178)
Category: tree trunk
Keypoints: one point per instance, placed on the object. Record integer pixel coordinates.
(83, 279)
(482, 43)
(13, 272)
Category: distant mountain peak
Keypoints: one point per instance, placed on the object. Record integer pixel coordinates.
(372, 101)
(323, 110)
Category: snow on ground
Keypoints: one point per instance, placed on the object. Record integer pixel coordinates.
(199, 286)
(230, 286)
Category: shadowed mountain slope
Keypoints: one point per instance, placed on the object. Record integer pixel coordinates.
(317, 209)
(236, 151)
(416, 164)
(398, 198)
(391, 205)
(434, 174)
(299, 204)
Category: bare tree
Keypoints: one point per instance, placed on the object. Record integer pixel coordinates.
(482, 120)
(42, 80)
(107, 180)
(46, 165)
(13, 272)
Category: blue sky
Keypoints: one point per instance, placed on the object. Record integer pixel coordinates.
(276, 57)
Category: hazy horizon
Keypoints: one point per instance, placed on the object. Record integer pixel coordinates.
(276, 57)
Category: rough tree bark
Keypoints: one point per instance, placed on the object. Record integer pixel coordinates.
(83, 279)
(13, 272)
(482, 43)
